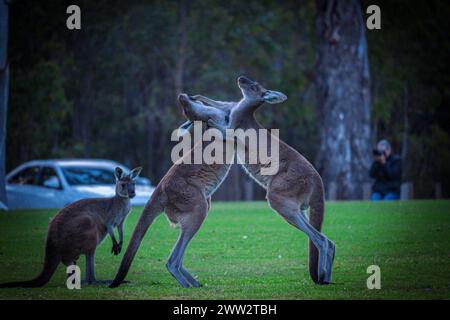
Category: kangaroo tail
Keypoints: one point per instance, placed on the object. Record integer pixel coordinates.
(153, 208)
(317, 205)
(51, 262)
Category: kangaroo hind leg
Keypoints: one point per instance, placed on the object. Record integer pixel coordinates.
(90, 271)
(190, 222)
(90, 268)
(289, 209)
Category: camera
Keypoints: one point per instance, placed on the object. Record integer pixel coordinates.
(377, 153)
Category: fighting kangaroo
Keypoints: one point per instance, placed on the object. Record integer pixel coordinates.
(296, 186)
(81, 226)
(184, 195)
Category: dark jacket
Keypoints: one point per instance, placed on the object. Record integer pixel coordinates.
(388, 177)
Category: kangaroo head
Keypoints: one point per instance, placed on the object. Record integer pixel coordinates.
(125, 183)
(255, 94)
(196, 111)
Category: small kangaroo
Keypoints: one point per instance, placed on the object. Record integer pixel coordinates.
(81, 226)
(294, 188)
(184, 194)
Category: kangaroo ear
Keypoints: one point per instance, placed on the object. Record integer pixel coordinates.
(118, 173)
(135, 173)
(274, 97)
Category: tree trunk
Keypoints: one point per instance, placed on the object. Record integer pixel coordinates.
(343, 97)
(4, 88)
(182, 47)
(405, 125)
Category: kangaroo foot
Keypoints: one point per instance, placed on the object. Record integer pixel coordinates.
(190, 278)
(322, 264)
(176, 273)
(329, 263)
(326, 258)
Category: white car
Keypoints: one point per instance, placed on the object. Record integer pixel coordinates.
(56, 183)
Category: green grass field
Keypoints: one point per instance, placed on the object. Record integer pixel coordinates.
(246, 251)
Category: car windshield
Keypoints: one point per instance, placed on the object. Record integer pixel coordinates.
(88, 175)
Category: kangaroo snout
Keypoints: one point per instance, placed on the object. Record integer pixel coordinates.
(183, 98)
(185, 103)
(244, 80)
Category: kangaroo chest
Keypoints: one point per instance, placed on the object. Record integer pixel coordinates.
(216, 173)
(254, 171)
(218, 177)
(119, 213)
(124, 212)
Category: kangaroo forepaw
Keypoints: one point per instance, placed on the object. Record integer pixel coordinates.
(212, 123)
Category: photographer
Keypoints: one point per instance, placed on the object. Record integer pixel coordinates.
(386, 169)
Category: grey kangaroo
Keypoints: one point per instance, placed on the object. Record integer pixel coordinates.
(81, 226)
(295, 188)
(184, 195)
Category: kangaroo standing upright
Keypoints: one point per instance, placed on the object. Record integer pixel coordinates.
(296, 186)
(81, 226)
(184, 195)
